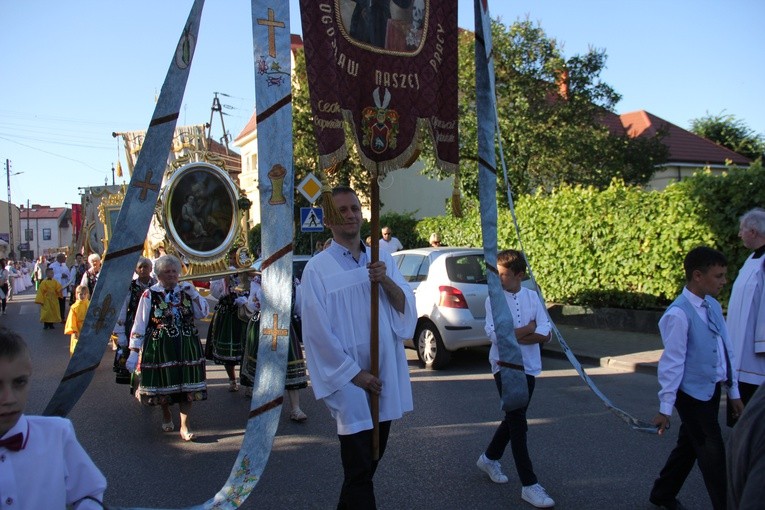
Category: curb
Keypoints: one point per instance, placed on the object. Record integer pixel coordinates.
(623, 363)
(619, 319)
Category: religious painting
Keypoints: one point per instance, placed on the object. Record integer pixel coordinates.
(391, 25)
(387, 69)
(201, 211)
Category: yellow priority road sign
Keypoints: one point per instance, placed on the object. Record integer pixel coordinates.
(310, 188)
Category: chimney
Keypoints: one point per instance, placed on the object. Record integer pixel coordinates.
(563, 83)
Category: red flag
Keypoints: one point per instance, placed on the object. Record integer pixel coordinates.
(76, 220)
(390, 68)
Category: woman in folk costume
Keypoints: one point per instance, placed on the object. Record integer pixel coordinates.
(297, 377)
(225, 338)
(126, 317)
(172, 364)
(91, 275)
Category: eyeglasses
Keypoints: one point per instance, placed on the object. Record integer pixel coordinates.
(386, 233)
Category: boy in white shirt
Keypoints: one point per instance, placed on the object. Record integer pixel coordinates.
(41, 463)
(532, 327)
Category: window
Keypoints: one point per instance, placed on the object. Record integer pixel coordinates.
(29, 235)
(409, 265)
(466, 269)
(46, 234)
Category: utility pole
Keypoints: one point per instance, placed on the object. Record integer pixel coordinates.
(10, 209)
(26, 234)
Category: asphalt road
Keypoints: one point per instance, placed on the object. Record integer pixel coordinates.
(585, 456)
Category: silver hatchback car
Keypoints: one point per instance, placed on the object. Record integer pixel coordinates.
(450, 288)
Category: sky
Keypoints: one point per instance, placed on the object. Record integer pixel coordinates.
(73, 72)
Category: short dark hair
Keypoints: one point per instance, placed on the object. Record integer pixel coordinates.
(701, 259)
(11, 344)
(338, 190)
(512, 260)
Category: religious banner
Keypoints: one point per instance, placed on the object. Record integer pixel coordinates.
(273, 111)
(130, 227)
(186, 140)
(389, 68)
(515, 393)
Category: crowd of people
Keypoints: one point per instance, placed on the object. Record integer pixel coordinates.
(160, 353)
(16, 276)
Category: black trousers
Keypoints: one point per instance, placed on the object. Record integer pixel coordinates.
(699, 439)
(62, 308)
(512, 429)
(358, 467)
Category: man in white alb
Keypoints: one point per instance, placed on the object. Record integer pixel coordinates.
(335, 295)
(746, 309)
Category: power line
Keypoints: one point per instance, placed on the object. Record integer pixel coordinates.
(52, 154)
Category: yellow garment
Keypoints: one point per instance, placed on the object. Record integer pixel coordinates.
(47, 296)
(74, 322)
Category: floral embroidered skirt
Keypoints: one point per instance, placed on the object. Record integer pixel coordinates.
(225, 338)
(172, 367)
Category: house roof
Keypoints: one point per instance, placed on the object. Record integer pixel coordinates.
(296, 41)
(233, 159)
(684, 146)
(41, 212)
(249, 128)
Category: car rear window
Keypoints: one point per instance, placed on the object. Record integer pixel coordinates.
(466, 269)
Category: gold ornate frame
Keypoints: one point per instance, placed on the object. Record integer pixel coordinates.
(108, 210)
(204, 254)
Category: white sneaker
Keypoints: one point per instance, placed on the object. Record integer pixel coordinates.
(492, 468)
(537, 496)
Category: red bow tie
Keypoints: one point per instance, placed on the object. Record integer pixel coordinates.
(14, 442)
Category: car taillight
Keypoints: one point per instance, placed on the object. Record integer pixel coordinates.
(451, 297)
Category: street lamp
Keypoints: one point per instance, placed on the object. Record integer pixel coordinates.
(10, 207)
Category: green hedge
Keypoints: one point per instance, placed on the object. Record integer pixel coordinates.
(619, 247)
(622, 246)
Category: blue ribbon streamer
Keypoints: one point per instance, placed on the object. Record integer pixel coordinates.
(514, 387)
(634, 423)
(273, 110)
(131, 227)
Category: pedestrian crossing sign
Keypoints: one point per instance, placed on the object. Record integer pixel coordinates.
(311, 219)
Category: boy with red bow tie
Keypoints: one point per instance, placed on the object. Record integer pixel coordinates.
(41, 463)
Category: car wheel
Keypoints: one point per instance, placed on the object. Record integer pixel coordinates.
(430, 347)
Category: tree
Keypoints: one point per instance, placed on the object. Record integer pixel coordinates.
(730, 132)
(550, 116)
(306, 154)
